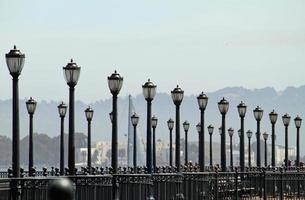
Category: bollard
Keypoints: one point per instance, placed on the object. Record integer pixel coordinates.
(61, 189)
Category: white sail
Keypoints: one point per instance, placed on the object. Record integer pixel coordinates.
(140, 144)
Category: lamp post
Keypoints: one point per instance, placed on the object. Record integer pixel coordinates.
(273, 118)
(154, 122)
(223, 107)
(89, 115)
(135, 120)
(186, 126)
(242, 109)
(31, 107)
(149, 92)
(202, 100)
(15, 62)
(170, 124)
(177, 97)
(298, 122)
(110, 117)
(210, 130)
(71, 72)
(286, 121)
(249, 134)
(115, 83)
(265, 136)
(198, 128)
(231, 132)
(62, 110)
(258, 114)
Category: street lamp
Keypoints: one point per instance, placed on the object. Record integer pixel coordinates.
(273, 118)
(110, 117)
(242, 109)
(231, 132)
(170, 124)
(89, 115)
(71, 73)
(115, 83)
(198, 128)
(15, 62)
(31, 107)
(258, 114)
(249, 134)
(154, 122)
(186, 126)
(149, 92)
(135, 120)
(286, 121)
(62, 110)
(202, 100)
(223, 107)
(210, 130)
(265, 136)
(298, 122)
(220, 130)
(177, 97)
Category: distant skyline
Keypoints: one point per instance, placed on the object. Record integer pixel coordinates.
(200, 45)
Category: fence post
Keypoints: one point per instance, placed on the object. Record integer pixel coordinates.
(265, 185)
(216, 183)
(281, 184)
(236, 183)
(298, 182)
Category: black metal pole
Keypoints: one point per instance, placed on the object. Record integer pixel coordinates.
(242, 145)
(89, 146)
(154, 150)
(223, 144)
(286, 147)
(249, 151)
(71, 152)
(273, 145)
(231, 153)
(258, 147)
(149, 149)
(135, 148)
(114, 149)
(31, 159)
(171, 147)
(178, 138)
(62, 146)
(148, 139)
(266, 153)
(16, 135)
(186, 149)
(298, 148)
(201, 141)
(211, 153)
(16, 139)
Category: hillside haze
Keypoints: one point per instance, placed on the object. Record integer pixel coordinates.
(46, 119)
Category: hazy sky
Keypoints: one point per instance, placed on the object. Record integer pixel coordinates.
(202, 45)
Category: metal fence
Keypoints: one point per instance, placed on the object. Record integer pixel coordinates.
(168, 186)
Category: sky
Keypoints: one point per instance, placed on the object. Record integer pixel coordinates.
(200, 45)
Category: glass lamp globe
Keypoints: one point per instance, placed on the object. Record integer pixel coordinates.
(71, 73)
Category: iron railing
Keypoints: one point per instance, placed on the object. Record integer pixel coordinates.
(260, 184)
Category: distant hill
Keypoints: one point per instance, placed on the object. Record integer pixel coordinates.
(46, 149)
(46, 120)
